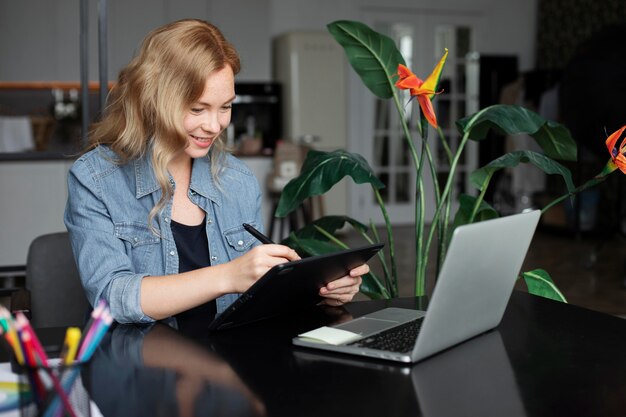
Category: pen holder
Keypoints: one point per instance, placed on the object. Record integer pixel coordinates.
(53, 391)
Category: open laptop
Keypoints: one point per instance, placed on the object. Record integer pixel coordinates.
(470, 296)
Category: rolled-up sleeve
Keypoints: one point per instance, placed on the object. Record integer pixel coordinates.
(105, 268)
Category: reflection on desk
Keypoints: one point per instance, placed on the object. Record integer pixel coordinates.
(154, 370)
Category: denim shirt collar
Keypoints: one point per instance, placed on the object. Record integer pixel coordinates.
(145, 180)
(201, 179)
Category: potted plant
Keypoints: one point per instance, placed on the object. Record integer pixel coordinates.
(381, 67)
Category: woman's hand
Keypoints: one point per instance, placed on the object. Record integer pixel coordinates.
(342, 290)
(251, 266)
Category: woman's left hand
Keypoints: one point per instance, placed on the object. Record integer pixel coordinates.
(342, 290)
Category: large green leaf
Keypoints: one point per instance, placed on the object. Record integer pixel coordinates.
(464, 213)
(512, 159)
(373, 56)
(466, 206)
(312, 247)
(372, 287)
(329, 223)
(554, 139)
(540, 283)
(320, 171)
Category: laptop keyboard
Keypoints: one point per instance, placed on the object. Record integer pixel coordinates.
(397, 339)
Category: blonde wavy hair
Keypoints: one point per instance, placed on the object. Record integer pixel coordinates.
(146, 107)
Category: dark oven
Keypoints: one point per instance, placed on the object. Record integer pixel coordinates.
(256, 115)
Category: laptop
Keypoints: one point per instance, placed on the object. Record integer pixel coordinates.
(470, 297)
(291, 286)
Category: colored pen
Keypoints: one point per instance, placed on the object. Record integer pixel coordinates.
(260, 236)
(100, 330)
(34, 350)
(37, 387)
(23, 324)
(31, 353)
(68, 357)
(6, 322)
(91, 325)
(5, 339)
(70, 345)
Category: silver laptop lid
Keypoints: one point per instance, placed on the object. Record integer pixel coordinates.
(476, 281)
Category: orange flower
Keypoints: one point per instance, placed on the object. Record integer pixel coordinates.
(617, 154)
(424, 91)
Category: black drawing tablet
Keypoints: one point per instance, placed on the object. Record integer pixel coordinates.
(291, 286)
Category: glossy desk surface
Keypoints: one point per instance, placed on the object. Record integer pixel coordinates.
(545, 359)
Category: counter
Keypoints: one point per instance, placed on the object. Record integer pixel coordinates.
(35, 156)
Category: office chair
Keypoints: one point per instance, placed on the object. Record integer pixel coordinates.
(54, 295)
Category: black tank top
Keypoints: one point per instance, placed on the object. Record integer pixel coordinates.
(193, 253)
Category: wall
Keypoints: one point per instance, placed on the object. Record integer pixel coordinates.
(510, 27)
(45, 45)
(564, 25)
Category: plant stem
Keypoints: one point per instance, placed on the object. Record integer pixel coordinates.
(392, 254)
(444, 143)
(330, 237)
(443, 227)
(592, 182)
(479, 199)
(443, 244)
(447, 189)
(381, 256)
(419, 203)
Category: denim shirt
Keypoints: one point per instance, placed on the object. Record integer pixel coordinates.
(107, 220)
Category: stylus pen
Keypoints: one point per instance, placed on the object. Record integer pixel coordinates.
(260, 236)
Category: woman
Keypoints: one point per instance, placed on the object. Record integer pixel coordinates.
(156, 207)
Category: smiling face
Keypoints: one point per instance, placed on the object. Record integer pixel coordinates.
(208, 116)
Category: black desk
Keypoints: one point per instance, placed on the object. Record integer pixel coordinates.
(545, 359)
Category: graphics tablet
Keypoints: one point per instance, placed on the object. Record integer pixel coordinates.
(291, 286)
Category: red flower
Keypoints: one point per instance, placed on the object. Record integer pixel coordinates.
(617, 153)
(425, 90)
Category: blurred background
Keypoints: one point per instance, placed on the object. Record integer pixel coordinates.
(296, 91)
